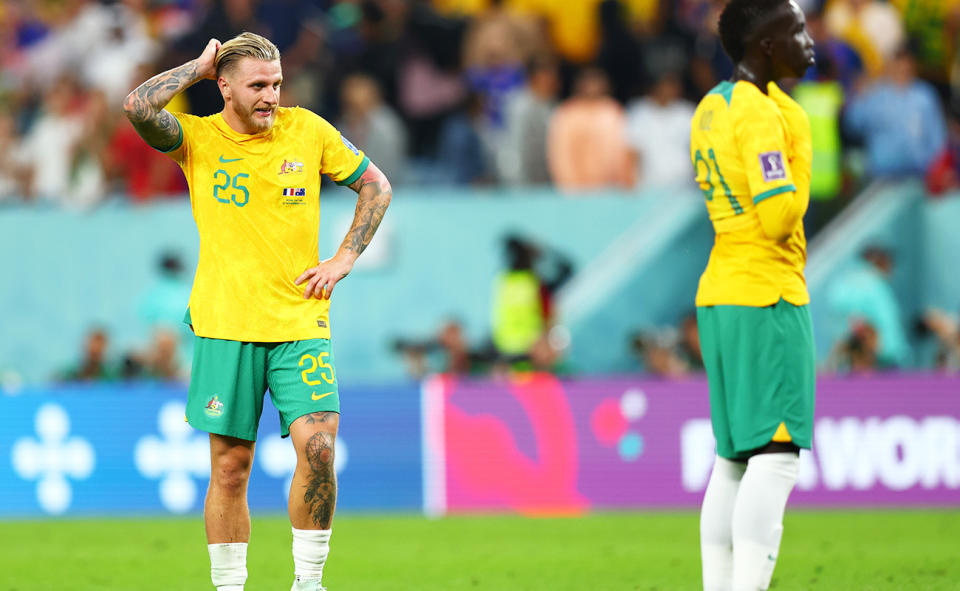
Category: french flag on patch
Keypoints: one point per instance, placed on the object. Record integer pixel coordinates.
(294, 192)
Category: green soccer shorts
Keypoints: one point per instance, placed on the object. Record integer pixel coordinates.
(230, 378)
(761, 367)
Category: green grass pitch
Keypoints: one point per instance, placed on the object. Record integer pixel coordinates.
(642, 551)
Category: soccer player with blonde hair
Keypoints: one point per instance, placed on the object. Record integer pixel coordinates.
(751, 148)
(260, 301)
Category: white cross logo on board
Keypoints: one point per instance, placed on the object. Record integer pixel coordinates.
(52, 458)
(176, 458)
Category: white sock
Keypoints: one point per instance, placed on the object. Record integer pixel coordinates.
(716, 518)
(228, 566)
(310, 549)
(758, 518)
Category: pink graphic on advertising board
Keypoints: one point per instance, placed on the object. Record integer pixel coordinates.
(539, 445)
(523, 458)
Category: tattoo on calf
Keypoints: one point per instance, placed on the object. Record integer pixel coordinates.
(321, 493)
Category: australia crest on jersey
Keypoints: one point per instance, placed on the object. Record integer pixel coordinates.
(291, 166)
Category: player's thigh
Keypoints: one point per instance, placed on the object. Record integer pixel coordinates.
(711, 350)
(795, 397)
(303, 380)
(227, 384)
(764, 375)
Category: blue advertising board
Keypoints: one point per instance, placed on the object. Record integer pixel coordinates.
(125, 449)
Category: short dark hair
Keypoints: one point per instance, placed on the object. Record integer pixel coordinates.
(739, 20)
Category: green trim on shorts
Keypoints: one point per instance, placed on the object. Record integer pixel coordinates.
(761, 366)
(230, 378)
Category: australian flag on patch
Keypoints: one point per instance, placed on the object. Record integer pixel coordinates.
(294, 192)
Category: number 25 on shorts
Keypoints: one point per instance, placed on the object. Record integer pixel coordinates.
(317, 363)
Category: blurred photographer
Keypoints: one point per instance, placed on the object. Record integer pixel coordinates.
(522, 310)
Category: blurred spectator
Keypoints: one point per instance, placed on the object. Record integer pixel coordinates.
(497, 45)
(667, 46)
(462, 157)
(657, 350)
(447, 352)
(586, 144)
(935, 26)
(835, 58)
(430, 83)
(164, 303)
(822, 97)
(522, 310)
(872, 26)
(117, 44)
(899, 120)
(372, 125)
(864, 298)
(11, 173)
(658, 130)
(689, 345)
(619, 51)
(709, 63)
(669, 352)
(944, 172)
(946, 330)
(92, 367)
(857, 352)
(57, 167)
(160, 361)
(522, 156)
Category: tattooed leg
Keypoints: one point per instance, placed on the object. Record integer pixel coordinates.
(313, 493)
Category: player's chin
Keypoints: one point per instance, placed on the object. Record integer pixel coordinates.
(262, 122)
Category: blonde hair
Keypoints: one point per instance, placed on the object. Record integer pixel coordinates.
(245, 45)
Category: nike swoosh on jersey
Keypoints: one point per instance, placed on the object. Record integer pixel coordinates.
(225, 160)
(316, 396)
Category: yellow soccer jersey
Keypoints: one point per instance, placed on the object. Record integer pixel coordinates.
(256, 202)
(739, 146)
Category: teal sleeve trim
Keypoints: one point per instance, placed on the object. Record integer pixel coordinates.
(356, 174)
(176, 145)
(772, 192)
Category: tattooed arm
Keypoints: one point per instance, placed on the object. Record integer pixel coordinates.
(374, 194)
(145, 105)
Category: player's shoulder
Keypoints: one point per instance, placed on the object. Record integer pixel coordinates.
(747, 98)
(303, 117)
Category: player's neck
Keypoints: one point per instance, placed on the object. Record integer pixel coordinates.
(748, 72)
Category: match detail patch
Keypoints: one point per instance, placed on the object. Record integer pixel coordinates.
(294, 192)
(347, 143)
(771, 165)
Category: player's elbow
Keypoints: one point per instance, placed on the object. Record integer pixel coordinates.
(133, 108)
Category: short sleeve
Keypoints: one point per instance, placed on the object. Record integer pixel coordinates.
(763, 149)
(181, 150)
(339, 159)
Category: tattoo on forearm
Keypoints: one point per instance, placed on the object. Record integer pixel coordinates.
(321, 494)
(374, 194)
(144, 106)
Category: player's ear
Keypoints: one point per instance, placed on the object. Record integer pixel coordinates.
(224, 87)
(766, 46)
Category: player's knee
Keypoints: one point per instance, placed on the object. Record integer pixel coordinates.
(231, 471)
(319, 452)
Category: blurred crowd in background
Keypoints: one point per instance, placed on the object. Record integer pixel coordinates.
(580, 95)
